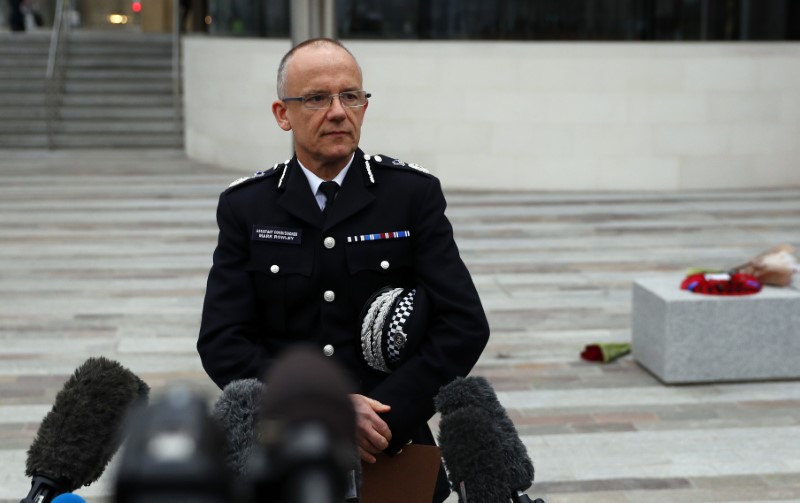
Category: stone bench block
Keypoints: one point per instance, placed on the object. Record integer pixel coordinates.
(683, 337)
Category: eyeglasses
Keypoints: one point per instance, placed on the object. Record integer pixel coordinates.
(349, 99)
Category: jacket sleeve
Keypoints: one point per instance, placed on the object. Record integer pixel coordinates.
(458, 329)
(230, 327)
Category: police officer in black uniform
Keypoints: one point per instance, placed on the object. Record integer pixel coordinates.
(299, 259)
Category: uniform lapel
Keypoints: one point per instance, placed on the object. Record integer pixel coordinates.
(297, 198)
(353, 196)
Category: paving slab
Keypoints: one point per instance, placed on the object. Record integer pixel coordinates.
(107, 253)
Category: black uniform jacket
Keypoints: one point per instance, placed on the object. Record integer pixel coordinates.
(278, 279)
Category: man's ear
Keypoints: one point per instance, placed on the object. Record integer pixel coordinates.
(279, 111)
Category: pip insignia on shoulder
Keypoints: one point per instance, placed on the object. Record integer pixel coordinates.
(384, 160)
(257, 176)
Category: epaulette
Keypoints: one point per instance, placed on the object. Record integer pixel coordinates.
(258, 175)
(390, 162)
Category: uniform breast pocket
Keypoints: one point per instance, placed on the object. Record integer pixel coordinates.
(280, 260)
(279, 273)
(375, 264)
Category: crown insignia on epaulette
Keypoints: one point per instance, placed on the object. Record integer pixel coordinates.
(397, 162)
(257, 174)
(238, 181)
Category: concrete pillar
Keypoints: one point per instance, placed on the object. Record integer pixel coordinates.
(312, 19)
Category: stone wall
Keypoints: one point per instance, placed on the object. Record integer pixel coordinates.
(529, 115)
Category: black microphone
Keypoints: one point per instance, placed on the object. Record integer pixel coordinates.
(307, 430)
(81, 433)
(236, 411)
(174, 454)
(484, 456)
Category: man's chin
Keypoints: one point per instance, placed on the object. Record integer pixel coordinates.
(340, 150)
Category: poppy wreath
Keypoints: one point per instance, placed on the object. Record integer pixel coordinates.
(722, 284)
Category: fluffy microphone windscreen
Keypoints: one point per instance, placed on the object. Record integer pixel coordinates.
(82, 431)
(471, 447)
(476, 392)
(236, 411)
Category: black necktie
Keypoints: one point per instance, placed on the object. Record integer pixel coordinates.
(329, 189)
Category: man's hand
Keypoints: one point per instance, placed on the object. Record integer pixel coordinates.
(372, 433)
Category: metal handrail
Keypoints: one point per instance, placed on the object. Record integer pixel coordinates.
(55, 39)
(176, 64)
(54, 77)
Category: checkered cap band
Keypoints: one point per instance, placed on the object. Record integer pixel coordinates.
(372, 328)
(396, 338)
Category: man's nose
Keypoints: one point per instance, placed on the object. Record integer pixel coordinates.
(336, 109)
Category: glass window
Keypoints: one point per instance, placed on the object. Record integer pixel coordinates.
(527, 19)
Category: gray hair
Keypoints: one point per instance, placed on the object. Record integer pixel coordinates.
(315, 42)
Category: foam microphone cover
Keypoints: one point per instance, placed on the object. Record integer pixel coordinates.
(475, 393)
(236, 411)
(81, 433)
(471, 447)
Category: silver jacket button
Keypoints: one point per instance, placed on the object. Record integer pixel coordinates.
(328, 350)
(384, 264)
(329, 296)
(274, 269)
(329, 242)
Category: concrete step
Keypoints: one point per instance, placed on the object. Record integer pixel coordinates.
(117, 100)
(105, 141)
(126, 74)
(22, 86)
(26, 39)
(23, 73)
(26, 141)
(23, 51)
(8, 113)
(105, 62)
(124, 127)
(111, 37)
(19, 127)
(118, 87)
(127, 50)
(117, 113)
(9, 64)
(21, 99)
(142, 140)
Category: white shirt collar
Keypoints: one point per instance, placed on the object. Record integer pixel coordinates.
(314, 181)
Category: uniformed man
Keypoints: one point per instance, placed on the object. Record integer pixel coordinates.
(299, 260)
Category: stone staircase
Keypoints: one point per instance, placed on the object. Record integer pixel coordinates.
(117, 92)
(23, 62)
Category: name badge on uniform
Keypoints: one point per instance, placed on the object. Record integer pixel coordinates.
(277, 234)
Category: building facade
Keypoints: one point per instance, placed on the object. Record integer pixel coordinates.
(552, 114)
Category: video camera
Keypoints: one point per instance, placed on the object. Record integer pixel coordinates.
(300, 447)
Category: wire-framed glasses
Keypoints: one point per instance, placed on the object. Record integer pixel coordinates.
(349, 99)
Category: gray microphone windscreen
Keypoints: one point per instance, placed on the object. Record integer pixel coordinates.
(236, 411)
(476, 395)
(83, 430)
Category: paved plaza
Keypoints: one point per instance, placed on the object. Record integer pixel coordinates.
(107, 253)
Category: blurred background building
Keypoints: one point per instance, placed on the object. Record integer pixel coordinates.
(527, 19)
(524, 94)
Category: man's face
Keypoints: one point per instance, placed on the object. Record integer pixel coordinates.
(326, 136)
